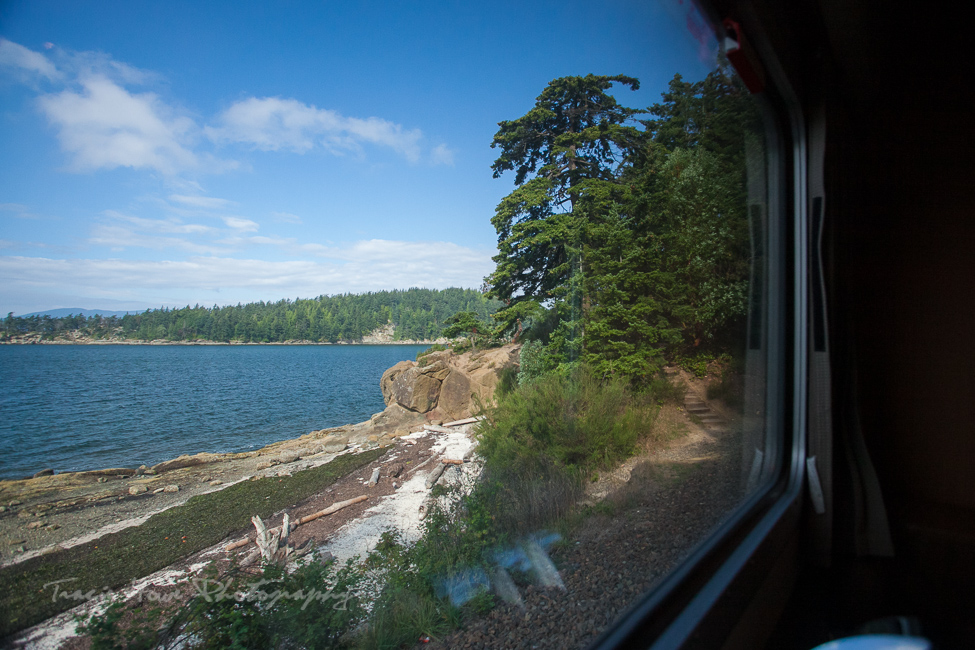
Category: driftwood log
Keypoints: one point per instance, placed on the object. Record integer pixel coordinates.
(434, 475)
(273, 542)
(452, 461)
(335, 507)
(237, 544)
(457, 423)
(268, 532)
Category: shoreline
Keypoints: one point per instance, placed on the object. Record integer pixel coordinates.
(35, 512)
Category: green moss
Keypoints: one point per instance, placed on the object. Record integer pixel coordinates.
(115, 560)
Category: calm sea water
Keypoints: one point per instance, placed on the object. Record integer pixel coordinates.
(78, 407)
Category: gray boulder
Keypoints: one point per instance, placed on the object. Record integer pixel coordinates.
(386, 383)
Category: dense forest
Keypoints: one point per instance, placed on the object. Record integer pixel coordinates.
(625, 243)
(417, 314)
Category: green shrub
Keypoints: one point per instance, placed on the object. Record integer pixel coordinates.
(668, 390)
(701, 362)
(461, 346)
(436, 347)
(313, 606)
(107, 634)
(542, 495)
(507, 381)
(576, 420)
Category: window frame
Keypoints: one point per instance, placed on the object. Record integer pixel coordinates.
(702, 601)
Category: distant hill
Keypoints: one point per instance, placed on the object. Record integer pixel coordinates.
(77, 311)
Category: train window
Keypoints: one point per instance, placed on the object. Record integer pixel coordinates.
(644, 440)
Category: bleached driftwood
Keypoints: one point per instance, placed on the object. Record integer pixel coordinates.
(237, 544)
(273, 542)
(251, 557)
(434, 475)
(335, 507)
(267, 537)
(374, 478)
(457, 423)
(435, 428)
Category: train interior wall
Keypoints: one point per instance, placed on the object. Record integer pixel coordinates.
(896, 83)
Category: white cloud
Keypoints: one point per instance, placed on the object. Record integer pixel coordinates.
(243, 225)
(86, 64)
(166, 226)
(19, 211)
(272, 124)
(105, 127)
(118, 238)
(26, 61)
(206, 202)
(103, 124)
(365, 266)
(286, 217)
(122, 231)
(264, 240)
(441, 155)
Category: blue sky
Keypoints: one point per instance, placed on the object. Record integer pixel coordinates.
(173, 153)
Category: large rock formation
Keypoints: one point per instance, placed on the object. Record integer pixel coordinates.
(444, 385)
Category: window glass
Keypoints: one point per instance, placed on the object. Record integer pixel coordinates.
(636, 283)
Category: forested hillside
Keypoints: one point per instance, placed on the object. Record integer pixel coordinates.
(416, 313)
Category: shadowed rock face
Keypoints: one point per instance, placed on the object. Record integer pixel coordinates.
(455, 395)
(443, 385)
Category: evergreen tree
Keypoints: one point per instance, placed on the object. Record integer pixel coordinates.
(572, 141)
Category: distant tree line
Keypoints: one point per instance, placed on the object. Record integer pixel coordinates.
(416, 314)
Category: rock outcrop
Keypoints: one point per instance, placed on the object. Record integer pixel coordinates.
(444, 385)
